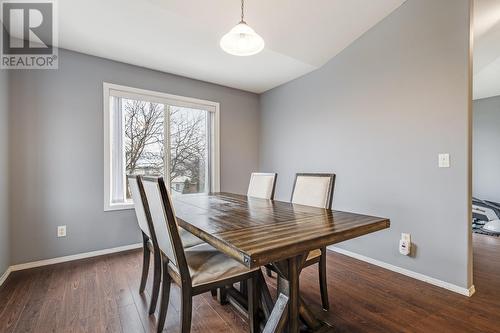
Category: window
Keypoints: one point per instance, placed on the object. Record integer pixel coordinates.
(151, 133)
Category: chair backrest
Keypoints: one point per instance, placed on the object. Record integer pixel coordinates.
(262, 185)
(314, 189)
(138, 204)
(164, 223)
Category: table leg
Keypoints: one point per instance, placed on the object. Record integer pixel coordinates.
(308, 317)
(288, 275)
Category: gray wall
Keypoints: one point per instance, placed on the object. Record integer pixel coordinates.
(377, 115)
(57, 152)
(486, 149)
(4, 203)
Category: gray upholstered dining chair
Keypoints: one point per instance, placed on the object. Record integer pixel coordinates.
(188, 240)
(197, 269)
(316, 189)
(262, 185)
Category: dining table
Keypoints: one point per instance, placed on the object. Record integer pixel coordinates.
(259, 232)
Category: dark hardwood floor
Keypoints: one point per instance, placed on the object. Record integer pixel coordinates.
(100, 295)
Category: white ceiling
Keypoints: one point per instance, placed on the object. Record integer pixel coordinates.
(486, 48)
(182, 36)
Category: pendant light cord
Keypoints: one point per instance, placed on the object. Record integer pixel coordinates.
(242, 11)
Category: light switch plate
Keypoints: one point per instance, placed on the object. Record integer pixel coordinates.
(61, 231)
(444, 160)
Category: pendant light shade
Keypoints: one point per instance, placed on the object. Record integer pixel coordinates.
(242, 40)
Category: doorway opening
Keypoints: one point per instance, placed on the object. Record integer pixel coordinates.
(485, 224)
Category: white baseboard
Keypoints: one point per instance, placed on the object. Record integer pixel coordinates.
(439, 283)
(5, 275)
(58, 260)
(457, 289)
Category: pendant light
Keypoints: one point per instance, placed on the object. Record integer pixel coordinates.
(242, 40)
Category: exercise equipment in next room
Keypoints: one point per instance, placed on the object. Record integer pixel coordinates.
(489, 212)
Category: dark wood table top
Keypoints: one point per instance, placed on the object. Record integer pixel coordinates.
(257, 231)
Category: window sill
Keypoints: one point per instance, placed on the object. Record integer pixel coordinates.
(125, 206)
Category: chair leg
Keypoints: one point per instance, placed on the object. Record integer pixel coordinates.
(186, 309)
(253, 304)
(278, 285)
(213, 292)
(156, 282)
(145, 263)
(244, 288)
(265, 296)
(322, 280)
(269, 272)
(165, 297)
(222, 295)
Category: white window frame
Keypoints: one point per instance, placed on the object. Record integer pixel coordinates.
(110, 89)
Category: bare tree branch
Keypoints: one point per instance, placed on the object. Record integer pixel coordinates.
(144, 142)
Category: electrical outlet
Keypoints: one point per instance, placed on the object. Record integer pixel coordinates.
(61, 231)
(405, 244)
(404, 247)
